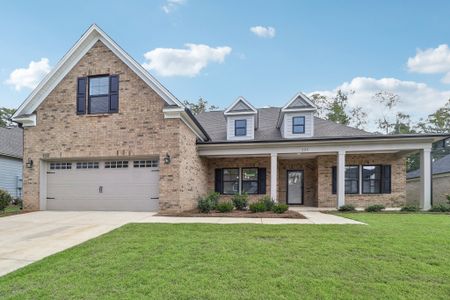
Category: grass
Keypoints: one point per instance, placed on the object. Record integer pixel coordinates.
(404, 256)
(10, 210)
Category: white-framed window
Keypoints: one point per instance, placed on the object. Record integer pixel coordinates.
(145, 163)
(230, 181)
(116, 164)
(250, 180)
(298, 125)
(87, 165)
(60, 166)
(240, 127)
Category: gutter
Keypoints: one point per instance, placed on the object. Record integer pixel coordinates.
(344, 138)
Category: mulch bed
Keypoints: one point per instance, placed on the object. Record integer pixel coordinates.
(290, 214)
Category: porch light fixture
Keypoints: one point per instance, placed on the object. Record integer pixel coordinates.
(167, 159)
(29, 163)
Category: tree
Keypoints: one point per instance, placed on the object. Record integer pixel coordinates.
(358, 117)
(5, 116)
(199, 107)
(437, 122)
(389, 100)
(322, 102)
(336, 108)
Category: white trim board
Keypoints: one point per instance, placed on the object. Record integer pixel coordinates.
(229, 110)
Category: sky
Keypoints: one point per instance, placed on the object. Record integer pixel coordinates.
(265, 51)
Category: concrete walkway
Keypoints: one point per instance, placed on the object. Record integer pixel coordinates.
(30, 237)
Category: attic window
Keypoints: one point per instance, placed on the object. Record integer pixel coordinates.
(240, 127)
(298, 125)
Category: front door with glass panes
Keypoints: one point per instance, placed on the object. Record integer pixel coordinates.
(294, 193)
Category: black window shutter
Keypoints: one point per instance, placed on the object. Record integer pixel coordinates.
(333, 180)
(261, 180)
(218, 181)
(81, 96)
(114, 93)
(386, 179)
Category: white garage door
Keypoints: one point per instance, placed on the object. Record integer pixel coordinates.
(103, 185)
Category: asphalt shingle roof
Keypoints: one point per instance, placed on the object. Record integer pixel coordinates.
(439, 166)
(11, 142)
(214, 122)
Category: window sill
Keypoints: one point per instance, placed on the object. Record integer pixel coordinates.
(99, 115)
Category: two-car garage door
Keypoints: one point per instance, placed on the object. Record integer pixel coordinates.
(120, 185)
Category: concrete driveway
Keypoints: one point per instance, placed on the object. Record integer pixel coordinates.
(29, 237)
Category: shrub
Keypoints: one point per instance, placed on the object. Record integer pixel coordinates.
(280, 208)
(268, 202)
(240, 201)
(440, 208)
(214, 198)
(375, 208)
(257, 207)
(225, 207)
(205, 205)
(347, 207)
(5, 199)
(409, 208)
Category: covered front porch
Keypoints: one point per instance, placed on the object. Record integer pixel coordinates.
(319, 176)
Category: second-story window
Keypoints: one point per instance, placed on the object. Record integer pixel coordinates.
(240, 127)
(99, 94)
(298, 125)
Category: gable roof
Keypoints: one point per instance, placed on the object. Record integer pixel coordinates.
(240, 106)
(73, 56)
(440, 166)
(11, 142)
(300, 102)
(214, 122)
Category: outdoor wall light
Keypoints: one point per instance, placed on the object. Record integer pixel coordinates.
(167, 159)
(29, 163)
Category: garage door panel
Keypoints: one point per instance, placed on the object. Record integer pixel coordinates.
(126, 189)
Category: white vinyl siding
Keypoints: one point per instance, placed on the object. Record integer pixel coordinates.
(250, 127)
(11, 175)
(287, 125)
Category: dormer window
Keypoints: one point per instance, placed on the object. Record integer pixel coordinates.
(242, 120)
(240, 127)
(298, 125)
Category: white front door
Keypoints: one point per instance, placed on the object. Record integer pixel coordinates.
(119, 185)
(294, 187)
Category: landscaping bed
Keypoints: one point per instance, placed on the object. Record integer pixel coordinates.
(290, 214)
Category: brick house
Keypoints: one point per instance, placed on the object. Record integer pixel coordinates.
(100, 133)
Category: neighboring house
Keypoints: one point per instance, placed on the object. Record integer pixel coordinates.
(11, 149)
(440, 182)
(102, 134)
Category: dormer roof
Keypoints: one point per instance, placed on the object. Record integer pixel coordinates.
(240, 107)
(300, 102)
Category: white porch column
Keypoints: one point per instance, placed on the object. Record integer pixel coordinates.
(340, 182)
(273, 176)
(425, 179)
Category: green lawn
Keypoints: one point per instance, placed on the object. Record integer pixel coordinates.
(396, 256)
(10, 210)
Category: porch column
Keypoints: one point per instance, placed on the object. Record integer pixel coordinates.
(425, 179)
(340, 182)
(273, 176)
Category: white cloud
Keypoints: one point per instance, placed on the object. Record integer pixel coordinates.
(431, 61)
(170, 5)
(263, 31)
(416, 99)
(29, 77)
(184, 62)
